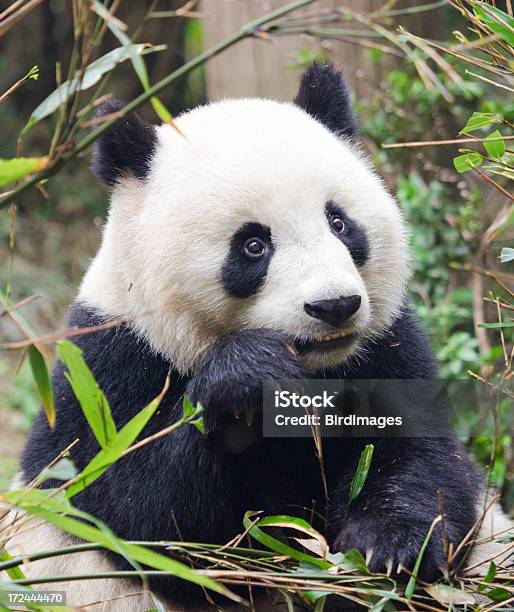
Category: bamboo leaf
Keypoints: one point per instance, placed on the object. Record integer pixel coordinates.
(468, 161)
(359, 478)
(199, 424)
(14, 169)
(91, 398)
(190, 411)
(91, 75)
(411, 585)
(489, 577)
(187, 408)
(137, 61)
(478, 121)
(500, 23)
(506, 538)
(379, 606)
(278, 546)
(495, 145)
(498, 594)
(14, 573)
(353, 559)
(63, 470)
(161, 111)
(41, 375)
(111, 453)
(292, 522)
(450, 596)
(135, 58)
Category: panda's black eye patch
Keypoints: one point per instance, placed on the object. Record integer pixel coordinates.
(247, 261)
(351, 233)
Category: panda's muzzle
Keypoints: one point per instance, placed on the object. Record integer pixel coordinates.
(335, 312)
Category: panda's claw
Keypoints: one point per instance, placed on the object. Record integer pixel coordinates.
(391, 549)
(369, 555)
(389, 566)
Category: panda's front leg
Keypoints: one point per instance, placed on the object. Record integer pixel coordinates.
(411, 481)
(228, 381)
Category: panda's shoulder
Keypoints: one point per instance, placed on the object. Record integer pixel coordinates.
(111, 349)
(125, 368)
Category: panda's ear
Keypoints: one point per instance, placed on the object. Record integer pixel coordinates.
(125, 149)
(323, 93)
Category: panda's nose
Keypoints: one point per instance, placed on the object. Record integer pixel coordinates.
(335, 312)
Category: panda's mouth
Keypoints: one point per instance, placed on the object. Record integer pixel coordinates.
(327, 342)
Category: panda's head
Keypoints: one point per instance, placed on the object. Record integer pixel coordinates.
(259, 215)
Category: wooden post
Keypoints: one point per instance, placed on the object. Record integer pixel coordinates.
(262, 68)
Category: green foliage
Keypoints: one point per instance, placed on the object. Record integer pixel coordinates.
(135, 57)
(500, 22)
(491, 440)
(12, 170)
(113, 448)
(438, 246)
(193, 414)
(411, 585)
(92, 400)
(444, 218)
(92, 74)
(467, 161)
(20, 395)
(254, 529)
(306, 56)
(41, 375)
(405, 110)
(478, 121)
(459, 354)
(436, 243)
(361, 473)
(493, 148)
(446, 224)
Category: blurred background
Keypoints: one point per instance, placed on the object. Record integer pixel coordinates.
(403, 92)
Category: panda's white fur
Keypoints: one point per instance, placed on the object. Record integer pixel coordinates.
(270, 161)
(495, 525)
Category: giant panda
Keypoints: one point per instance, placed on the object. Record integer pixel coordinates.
(256, 245)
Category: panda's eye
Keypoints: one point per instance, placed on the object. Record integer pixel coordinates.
(336, 223)
(254, 248)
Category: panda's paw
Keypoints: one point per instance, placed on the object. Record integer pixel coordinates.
(228, 381)
(393, 548)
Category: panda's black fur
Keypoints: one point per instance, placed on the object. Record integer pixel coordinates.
(187, 486)
(324, 95)
(128, 147)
